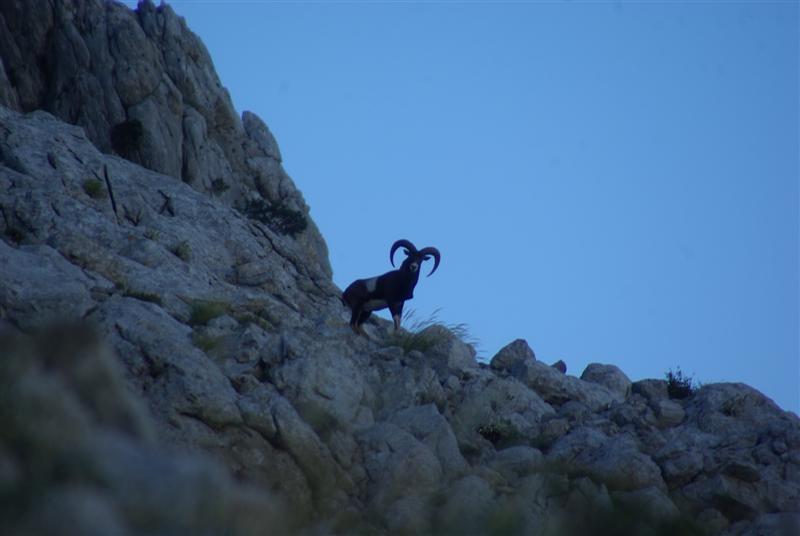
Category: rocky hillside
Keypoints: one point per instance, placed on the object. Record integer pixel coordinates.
(175, 358)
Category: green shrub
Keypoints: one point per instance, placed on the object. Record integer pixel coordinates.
(219, 186)
(277, 216)
(246, 318)
(498, 433)
(678, 385)
(152, 234)
(94, 188)
(126, 137)
(183, 251)
(206, 343)
(15, 234)
(143, 296)
(204, 311)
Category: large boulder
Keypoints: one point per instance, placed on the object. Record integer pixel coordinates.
(557, 388)
(609, 376)
(426, 424)
(328, 390)
(497, 411)
(512, 354)
(615, 461)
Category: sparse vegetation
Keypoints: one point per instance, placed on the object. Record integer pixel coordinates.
(15, 234)
(183, 251)
(126, 137)
(417, 335)
(204, 311)
(219, 186)
(206, 343)
(277, 216)
(152, 234)
(500, 434)
(143, 296)
(679, 385)
(94, 188)
(246, 318)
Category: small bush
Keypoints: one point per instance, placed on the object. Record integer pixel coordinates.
(143, 296)
(277, 216)
(205, 311)
(152, 234)
(15, 234)
(247, 318)
(126, 137)
(678, 385)
(219, 186)
(205, 342)
(94, 188)
(501, 434)
(183, 251)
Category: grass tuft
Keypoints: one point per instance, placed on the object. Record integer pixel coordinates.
(679, 385)
(152, 234)
(206, 343)
(417, 335)
(277, 215)
(143, 296)
(183, 251)
(219, 186)
(204, 311)
(94, 188)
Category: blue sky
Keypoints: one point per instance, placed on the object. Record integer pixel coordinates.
(615, 182)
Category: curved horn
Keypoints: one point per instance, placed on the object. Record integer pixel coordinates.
(401, 243)
(436, 257)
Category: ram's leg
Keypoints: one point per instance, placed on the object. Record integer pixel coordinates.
(360, 324)
(397, 313)
(354, 320)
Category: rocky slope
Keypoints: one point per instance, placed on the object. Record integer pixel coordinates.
(175, 358)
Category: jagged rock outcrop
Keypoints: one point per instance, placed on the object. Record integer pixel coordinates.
(204, 380)
(144, 87)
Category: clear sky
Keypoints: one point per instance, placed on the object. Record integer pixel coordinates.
(615, 182)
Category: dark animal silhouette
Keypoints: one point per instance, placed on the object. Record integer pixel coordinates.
(391, 289)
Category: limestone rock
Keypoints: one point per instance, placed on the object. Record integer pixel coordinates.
(327, 390)
(72, 434)
(426, 424)
(449, 354)
(499, 411)
(609, 376)
(38, 286)
(142, 85)
(220, 389)
(616, 461)
(513, 353)
(669, 413)
(651, 502)
(468, 504)
(517, 461)
(397, 466)
(557, 388)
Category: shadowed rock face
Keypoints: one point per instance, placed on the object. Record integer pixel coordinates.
(144, 87)
(203, 378)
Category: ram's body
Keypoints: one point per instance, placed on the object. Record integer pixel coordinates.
(391, 289)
